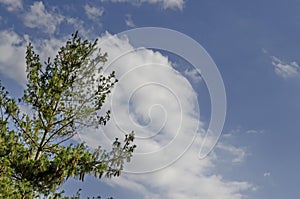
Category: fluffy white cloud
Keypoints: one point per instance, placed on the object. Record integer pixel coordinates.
(93, 13)
(166, 4)
(39, 17)
(12, 55)
(284, 69)
(188, 177)
(48, 20)
(129, 22)
(12, 5)
(160, 105)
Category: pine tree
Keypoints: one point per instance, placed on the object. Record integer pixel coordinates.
(64, 96)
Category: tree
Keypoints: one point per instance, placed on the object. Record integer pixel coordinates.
(64, 97)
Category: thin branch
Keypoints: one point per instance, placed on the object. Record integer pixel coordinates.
(56, 132)
(16, 120)
(65, 119)
(40, 148)
(48, 148)
(2, 114)
(40, 117)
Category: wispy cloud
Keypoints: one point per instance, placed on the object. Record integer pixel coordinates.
(129, 22)
(193, 75)
(39, 17)
(253, 131)
(241, 131)
(93, 13)
(79, 24)
(166, 4)
(284, 69)
(12, 5)
(238, 154)
(266, 174)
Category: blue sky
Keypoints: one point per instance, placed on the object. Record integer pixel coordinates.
(255, 45)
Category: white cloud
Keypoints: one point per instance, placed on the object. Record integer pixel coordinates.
(12, 56)
(238, 153)
(78, 24)
(240, 131)
(166, 4)
(193, 74)
(285, 70)
(253, 131)
(12, 5)
(48, 20)
(160, 105)
(264, 51)
(266, 174)
(129, 22)
(39, 17)
(173, 4)
(187, 178)
(93, 13)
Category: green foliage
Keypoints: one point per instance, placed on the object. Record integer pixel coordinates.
(64, 97)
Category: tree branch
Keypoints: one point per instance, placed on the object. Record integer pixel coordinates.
(56, 132)
(16, 120)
